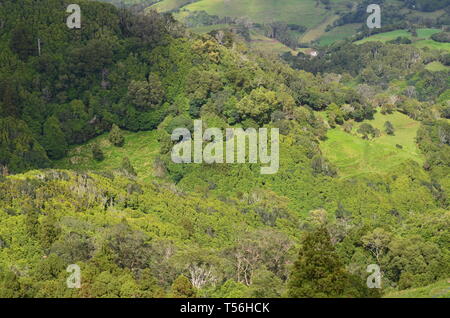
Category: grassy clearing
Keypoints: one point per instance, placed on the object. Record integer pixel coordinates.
(338, 33)
(386, 36)
(440, 289)
(318, 31)
(434, 45)
(354, 155)
(426, 33)
(267, 45)
(141, 148)
(422, 40)
(436, 67)
(168, 5)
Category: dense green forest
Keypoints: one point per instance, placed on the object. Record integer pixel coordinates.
(86, 175)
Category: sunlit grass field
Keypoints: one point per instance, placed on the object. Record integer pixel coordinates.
(436, 67)
(440, 289)
(338, 33)
(354, 155)
(432, 45)
(319, 30)
(304, 12)
(351, 154)
(265, 44)
(422, 40)
(141, 148)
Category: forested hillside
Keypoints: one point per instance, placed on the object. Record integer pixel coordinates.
(86, 175)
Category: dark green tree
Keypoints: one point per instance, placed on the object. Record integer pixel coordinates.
(182, 288)
(367, 130)
(148, 285)
(320, 164)
(389, 128)
(31, 219)
(146, 94)
(48, 231)
(116, 136)
(318, 271)
(22, 41)
(48, 268)
(128, 247)
(265, 284)
(9, 285)
(73, 247)
(53, 140)
(97, 152)
(19, 150)
(127, 167)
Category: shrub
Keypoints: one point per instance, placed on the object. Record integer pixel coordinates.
(116, 136)
(97, 152)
